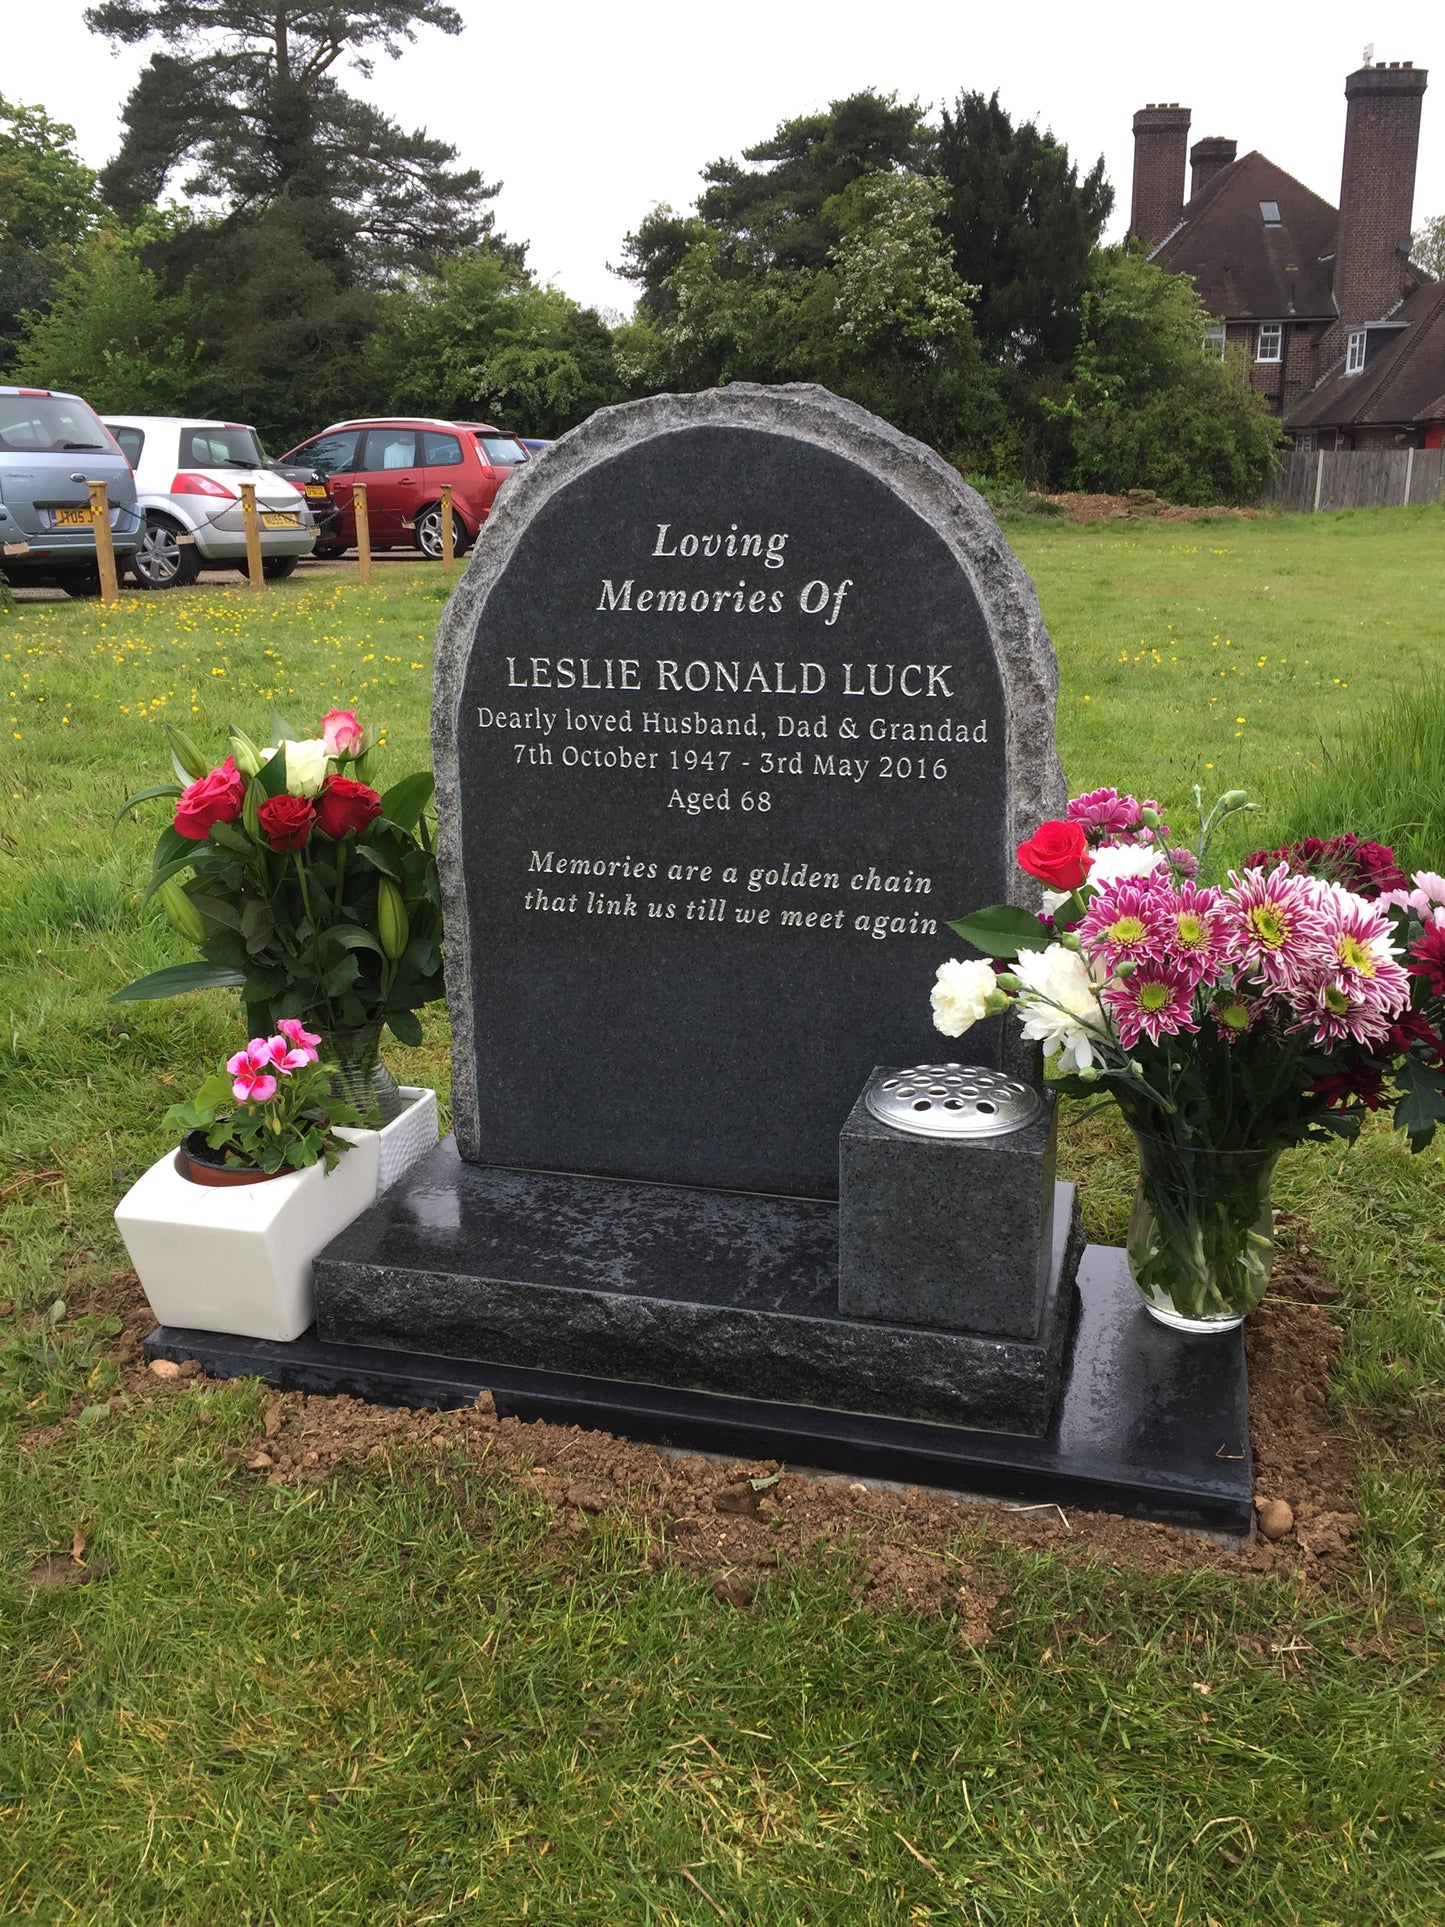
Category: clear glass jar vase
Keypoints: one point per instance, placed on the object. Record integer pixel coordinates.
(361, 1076)
(1201, 1233)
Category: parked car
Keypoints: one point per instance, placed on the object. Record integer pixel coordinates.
(404, 462)
(188, 477)
(532, 444)
(51, 445)
(312, 484)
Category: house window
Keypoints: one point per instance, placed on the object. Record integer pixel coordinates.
(1269, 211)
(1304, 444)
(1355, 352)
(1271, 337)
(1214, 340)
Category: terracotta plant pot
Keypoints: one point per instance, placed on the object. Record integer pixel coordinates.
(197, 1161)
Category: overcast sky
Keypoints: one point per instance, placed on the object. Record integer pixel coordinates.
(589, 113)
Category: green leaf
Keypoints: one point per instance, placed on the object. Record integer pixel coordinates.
(282, 730)
(272, 774)
(341, 976)
(404, 802)
(1003, 930)
(230, 838)
(178, 979)
(189, 763)
(147, 796)
(165, 873)
(216, 908)
(404, 1026)
(171, 844)
(378, 861)
(355, 938)
(1422, 1100)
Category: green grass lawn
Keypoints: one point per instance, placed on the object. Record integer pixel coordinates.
(397, 1696)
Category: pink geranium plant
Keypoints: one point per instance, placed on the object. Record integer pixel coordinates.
(271, 1109)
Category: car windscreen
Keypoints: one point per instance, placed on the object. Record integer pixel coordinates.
(50, 425)
(221, 448)
(500, 450)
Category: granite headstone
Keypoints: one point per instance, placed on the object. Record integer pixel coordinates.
(741, 697)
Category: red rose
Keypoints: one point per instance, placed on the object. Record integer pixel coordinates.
(286, 821)
(217, 798)
(345, 805)
(1057, 854)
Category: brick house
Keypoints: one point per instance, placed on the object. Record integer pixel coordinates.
(1342, 333)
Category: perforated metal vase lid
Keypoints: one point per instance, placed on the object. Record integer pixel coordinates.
(952, 1100)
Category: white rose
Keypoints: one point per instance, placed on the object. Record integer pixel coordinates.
(305, 766)
(960, 996)
(1059, 1004)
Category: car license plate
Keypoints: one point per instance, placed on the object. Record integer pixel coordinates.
(71, 518)
(279, 522)
(316, 491)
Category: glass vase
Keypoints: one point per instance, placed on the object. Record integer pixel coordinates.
(1201, 1233)
(361, 1076)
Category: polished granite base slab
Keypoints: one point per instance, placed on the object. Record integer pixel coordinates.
(705, 1291)
(1149, 1422)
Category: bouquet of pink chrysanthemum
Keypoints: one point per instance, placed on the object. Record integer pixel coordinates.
(1277, 1006)
(1229, 1021)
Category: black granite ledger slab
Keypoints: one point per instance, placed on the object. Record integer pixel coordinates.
(1148, 1422)
(697, 1289)
(741, 697)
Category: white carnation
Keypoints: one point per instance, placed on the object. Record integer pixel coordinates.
(1117, 862)
(960, 996)
(305, 766)
(1059, 1005)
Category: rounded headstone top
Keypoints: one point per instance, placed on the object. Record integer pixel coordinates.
(952, 1100)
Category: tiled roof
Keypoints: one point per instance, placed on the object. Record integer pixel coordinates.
(1405, 382)
(1243, 269)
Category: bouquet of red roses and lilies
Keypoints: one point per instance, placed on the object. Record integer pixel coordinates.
(301, 885)
(1282, 1004)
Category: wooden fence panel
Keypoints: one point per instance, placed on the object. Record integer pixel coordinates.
(1359, 478)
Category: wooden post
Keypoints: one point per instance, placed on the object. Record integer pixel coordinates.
(449, 544)
(254, 571)
(104, 546)
(1409, 471)
(363, 533)
(1319, 478)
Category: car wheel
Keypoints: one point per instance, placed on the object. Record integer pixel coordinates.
(276, 568)
(163, 561)
(428, 532)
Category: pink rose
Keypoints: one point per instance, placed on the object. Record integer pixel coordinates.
(342, 733)
(217, 798)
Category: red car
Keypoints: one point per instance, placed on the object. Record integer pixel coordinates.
(404, 462)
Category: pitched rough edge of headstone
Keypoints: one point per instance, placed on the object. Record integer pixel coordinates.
(919, 477)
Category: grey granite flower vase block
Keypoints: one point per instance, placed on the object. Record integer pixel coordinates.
(955, 1233)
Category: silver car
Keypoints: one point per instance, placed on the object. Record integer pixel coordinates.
(51, 446)
(189, 474)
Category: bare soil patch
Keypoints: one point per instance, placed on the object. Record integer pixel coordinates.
(741, 1522)
(1143, 505)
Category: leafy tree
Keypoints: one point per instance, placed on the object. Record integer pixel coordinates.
(1149, 409)
(248, 97)
(1023, 226)
(48, 205)
(773, 212)
(112, 334)
(1429, 249)
(483, 339)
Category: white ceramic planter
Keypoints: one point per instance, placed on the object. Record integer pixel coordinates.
(238, 1259)
(407, 1138)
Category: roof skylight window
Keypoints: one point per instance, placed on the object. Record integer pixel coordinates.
(1270, 211)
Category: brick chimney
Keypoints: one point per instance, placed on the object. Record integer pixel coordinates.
(1161, 143)
(1206, 158)
(1377, 188)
